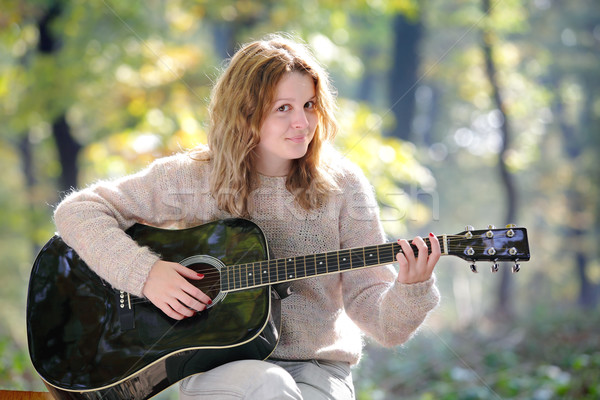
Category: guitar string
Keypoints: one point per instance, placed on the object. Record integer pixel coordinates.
(216, 274)
(214, 286)
(385, 247)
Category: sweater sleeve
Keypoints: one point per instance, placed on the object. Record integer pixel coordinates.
(386, 310)
(93, 222)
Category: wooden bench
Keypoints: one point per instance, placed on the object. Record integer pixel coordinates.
(20, 395)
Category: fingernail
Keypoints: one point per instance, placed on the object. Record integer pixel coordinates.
(431, 234)
(200, 276)
(209, 302)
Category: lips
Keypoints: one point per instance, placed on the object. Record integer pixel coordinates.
(297, 139)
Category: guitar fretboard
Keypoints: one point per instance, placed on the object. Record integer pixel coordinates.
(271, 272)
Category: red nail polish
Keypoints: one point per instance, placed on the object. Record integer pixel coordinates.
(200, 276)
(431, 234)
(209, 302)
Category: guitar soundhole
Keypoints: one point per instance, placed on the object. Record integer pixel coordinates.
(210, 267)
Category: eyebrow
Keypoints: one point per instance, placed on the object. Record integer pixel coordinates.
(291, 99)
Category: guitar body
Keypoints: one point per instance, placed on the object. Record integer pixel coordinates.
(88, 340)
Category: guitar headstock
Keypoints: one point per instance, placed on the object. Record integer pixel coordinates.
(491, 244)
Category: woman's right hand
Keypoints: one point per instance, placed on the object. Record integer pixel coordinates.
(168, 289)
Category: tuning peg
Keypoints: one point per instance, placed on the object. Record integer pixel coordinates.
(469, 229)
(494, 267)
(516, 268)
(510, 233)
(474, 268)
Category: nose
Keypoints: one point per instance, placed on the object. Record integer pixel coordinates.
(300, 121)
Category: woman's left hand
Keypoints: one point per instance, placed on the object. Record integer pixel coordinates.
(420, 268)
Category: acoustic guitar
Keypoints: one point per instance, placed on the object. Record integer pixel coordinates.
(88, 340)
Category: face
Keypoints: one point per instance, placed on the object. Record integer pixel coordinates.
(289, 125)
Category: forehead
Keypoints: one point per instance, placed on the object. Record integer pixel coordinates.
(295, 85)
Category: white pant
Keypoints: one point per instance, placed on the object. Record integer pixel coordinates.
(277, 380)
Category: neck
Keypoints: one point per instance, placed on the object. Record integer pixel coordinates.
(269, 272)
(273, 169)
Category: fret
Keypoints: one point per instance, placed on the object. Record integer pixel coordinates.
(387, 253)
(281, 270)
(254, 277)
(357, 258)
(332, 261)
(345, 260)
(272, 266)
(371, 254)
(301, 266)
(236, 277)
(225, 278)
(251, 275)
(235, 272)
(243, 276)
(262, 269)
(321, 263)
(428, 243)
(310, 265)
(290, 268)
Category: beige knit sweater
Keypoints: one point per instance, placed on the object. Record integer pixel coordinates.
(324, 317)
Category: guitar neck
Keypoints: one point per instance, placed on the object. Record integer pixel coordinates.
(272, 272)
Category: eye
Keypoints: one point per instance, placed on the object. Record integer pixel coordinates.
(310, 105)
(284, 108)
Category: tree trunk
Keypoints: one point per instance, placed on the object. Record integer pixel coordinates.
(67, 147)
(368, 81)
(404, 74)
(224, 39)
(503, 300)
(27, 162)
(68, 152)
(577, 231)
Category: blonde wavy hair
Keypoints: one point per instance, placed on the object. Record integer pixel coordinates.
(239, 102)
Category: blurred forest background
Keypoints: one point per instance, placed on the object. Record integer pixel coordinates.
(460, 112)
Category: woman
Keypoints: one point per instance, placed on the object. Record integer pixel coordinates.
(268, 159)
